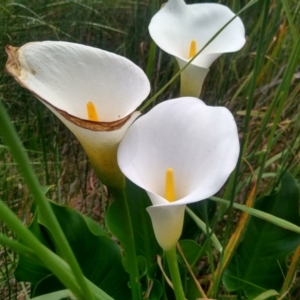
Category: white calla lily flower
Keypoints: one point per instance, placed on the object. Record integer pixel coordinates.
(92, 91)
(183, 30)
(180, 152)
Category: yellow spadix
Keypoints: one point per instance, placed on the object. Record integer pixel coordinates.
(170, 185)
(193, 49)
(92, 113)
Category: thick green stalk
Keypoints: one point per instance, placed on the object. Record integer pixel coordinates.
(43, 253)
(17, 247)
(35, 250)
(175, 275)
(124, 232)
(16, 148)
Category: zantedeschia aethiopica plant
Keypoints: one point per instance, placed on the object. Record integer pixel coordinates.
(182, 30)
(180, 152)
(93, 92)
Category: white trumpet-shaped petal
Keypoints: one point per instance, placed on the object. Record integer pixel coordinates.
(200, 143)
(94, 92)
(68, 76)
(177, 26)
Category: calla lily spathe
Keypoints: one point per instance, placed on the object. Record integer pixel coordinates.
(198, 142)
(182, 30)
(93, 92)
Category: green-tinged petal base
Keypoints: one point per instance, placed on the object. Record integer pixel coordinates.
(191, 79)
(167, 223)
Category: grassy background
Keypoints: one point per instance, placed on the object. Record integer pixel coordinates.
(271, 137)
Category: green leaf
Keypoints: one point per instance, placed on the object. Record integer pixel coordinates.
(266, 295)
(155, 285)
(94, 227)
(98, 256)
(28, 269)
(46, 286)
(55, 295)
(201, 208)
(259, 263)
(138, 201)
(144, 238)
(261, 214)
(156, 290)
(191, 251)
(204, 228)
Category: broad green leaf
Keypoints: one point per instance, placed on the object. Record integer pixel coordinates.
(156, 291)
(94, 227)
(47, 285)
(191, 251)
(138, 201)
(259, 263)
(98, 256)
(155, 288)
(47, 188)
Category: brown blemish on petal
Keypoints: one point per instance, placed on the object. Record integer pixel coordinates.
(92, 125)
(12, 64)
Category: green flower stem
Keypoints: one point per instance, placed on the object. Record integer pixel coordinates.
(16, 148)
(127, 240)
(18, 247)
(35, 250)
(43, 253)
(175, 275)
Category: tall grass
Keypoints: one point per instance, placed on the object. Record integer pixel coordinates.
(260, 85)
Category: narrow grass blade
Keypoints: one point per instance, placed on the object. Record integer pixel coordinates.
(290, 276)
(233, 241)
(262, 215)
(203, 227)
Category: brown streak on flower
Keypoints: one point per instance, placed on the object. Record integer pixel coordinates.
(12, 64)
(92, 125)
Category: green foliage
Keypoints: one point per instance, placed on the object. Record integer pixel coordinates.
(259, 264)
(98, 256)
(55, 295)
(271, 138)
(138, 201)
